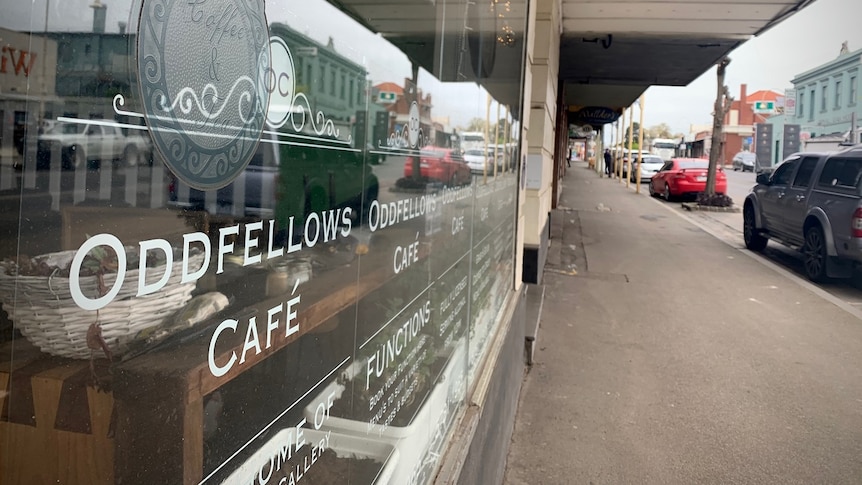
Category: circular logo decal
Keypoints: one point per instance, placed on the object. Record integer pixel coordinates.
(280, 83)
(413, 125)
(203, 67)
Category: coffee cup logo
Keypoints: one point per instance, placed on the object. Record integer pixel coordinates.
(203, 69)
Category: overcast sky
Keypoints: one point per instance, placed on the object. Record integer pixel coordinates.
(804, 41)
(770, 61)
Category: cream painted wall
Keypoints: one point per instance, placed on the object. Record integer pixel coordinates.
(543, 68)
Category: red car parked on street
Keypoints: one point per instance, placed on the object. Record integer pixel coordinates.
(446, 165)
(685, 177)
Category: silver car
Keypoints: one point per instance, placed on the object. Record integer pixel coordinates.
(744, 161)
(650, 165)
(477, 160)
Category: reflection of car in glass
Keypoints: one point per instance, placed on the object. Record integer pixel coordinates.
(288, 180)
(685, 177)
(441, 164)
(476, 160)
(97, 140)
(813, 202)
(744, 161)
(650, 165)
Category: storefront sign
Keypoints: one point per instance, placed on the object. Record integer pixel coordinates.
(595, 115)
(203, 71)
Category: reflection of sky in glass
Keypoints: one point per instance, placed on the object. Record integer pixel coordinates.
(317, 19)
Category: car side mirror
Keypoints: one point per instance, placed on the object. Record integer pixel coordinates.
(762, 178)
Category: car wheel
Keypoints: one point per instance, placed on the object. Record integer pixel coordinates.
(651, 189)
(131, 156)
(814, 252)
(736, 169)
(666, 194)
(754, 241)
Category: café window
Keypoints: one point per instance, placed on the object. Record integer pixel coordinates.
(219, 271)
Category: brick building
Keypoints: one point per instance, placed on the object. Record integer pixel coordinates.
(740, 120)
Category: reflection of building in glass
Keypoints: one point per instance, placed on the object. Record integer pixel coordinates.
(398, 101)
(94, 65)
(27, 72)
(333, 83)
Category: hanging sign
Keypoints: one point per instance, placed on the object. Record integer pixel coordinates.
(595, 115)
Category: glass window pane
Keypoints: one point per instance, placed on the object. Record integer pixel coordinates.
(238, 250)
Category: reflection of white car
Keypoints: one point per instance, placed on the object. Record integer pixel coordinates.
(476, 160)
(99, 140)
(650, 165)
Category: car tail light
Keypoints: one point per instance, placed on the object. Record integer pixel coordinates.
(856, 223)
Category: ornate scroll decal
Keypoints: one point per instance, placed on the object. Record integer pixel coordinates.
(203, 67)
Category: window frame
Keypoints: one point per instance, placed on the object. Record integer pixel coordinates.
(824, 97)
(837, 94)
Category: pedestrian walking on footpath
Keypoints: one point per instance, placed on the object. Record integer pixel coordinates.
(608, 160)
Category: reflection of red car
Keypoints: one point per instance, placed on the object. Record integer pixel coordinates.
(443, 164)
(685, 176)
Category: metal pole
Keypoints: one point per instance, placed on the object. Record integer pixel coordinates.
(640, 144)
(631, 136)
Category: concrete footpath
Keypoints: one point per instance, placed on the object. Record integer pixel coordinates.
(666, 356)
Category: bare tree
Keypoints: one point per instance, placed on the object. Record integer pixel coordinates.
(722, 106)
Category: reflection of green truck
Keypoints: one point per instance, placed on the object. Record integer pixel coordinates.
(289, 180)
(315, 179)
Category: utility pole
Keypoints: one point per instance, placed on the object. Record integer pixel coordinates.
(722, 106)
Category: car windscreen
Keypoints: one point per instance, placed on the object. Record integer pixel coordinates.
(477, 153)
(748, 157)
(688, 164)
(65, 129)
(653, 160)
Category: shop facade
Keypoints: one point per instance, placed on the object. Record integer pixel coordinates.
(225, 259)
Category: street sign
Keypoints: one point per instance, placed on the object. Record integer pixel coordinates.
(791, 139)
(790, 103)
(386, 97)
(764, 106)
(763, 146)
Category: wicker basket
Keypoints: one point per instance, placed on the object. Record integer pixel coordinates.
(41, 307)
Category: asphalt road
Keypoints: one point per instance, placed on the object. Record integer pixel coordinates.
(729, 227)
(673, 357)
